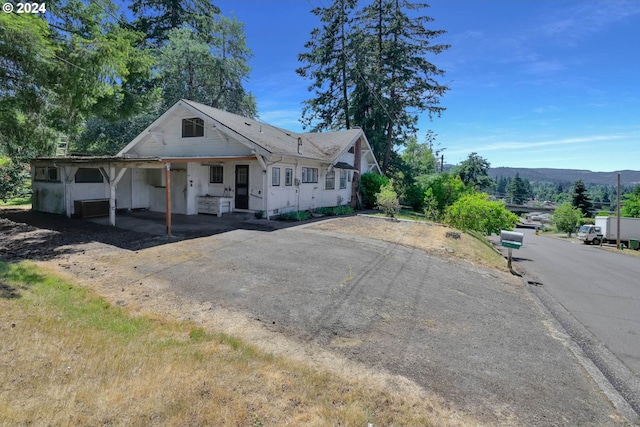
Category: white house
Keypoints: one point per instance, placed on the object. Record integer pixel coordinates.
(196, 159)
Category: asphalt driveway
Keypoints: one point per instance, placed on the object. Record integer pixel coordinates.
(474, 336)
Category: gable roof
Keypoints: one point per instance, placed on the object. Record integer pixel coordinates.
(264, 138)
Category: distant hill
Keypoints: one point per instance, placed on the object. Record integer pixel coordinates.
(568, 176)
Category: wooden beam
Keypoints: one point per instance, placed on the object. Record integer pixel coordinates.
(206, 159)
(167, 193)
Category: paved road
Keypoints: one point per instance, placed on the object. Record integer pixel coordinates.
(600, 288)
(595, 294)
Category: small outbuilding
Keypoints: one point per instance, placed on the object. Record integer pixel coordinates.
(195, 159)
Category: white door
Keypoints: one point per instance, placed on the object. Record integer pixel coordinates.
(179, 191)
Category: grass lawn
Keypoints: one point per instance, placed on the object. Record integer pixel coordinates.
(69, 357)
(18, 201)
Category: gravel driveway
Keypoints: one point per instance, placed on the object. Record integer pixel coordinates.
(474, 336)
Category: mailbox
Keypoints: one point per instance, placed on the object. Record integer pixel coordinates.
(511, 239)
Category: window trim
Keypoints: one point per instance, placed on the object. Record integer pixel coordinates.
(288, 177)
(306, 171)
(211, 174)
(192, 127)
(343, 179)
(330, 180)
(275, 177)
(47, 174)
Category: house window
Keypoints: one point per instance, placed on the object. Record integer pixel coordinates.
(288, 177)
(352, 150)
(46, 174)
(309, 175)
(275, 177)
(330, 180)
(343, 179)
(216, 174)
(192, 127)
(88, 175)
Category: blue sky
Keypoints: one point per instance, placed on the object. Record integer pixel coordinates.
(544, 83)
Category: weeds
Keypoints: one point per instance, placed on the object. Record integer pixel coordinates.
(71, 358)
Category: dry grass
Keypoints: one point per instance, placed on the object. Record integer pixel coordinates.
(428, 236)
(70, 358)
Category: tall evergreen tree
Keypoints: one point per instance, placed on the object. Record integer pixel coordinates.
(188, 67)
(516, 190)
(402, 80)
(373, 71)
(156, 18)
(328, 62)
(474, 172)
(580, 198)
(84, 63)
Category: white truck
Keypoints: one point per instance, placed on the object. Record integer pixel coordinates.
(606, 230)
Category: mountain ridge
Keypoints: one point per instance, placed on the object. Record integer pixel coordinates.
(568, 176)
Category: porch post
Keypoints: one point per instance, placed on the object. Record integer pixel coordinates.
(112, 195)
(167, 197)
(67, 189)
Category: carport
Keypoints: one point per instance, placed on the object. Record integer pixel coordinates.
(113, 170)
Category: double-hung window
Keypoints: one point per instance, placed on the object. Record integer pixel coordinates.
(330, 180)
(309, 175)
(343, 179)
(288, 177)
(275, 177)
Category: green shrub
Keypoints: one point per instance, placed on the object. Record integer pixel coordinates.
(259, 214)
(414, 197)
(335, 210)
(387, 200)
(370, 185)
(566, 218)
(294, 216)
(476, 212)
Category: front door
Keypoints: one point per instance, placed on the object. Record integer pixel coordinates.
(242, 187)
(179, 191)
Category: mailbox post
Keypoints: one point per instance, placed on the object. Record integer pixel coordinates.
(511, 240)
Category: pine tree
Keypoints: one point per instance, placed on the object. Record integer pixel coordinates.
(156, 18)
(516, 190)
(372, 71)
(580, 199)
(328, 63)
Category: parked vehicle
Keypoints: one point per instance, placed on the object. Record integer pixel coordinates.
(606, 230)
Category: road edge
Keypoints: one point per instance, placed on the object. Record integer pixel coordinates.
(615, 380)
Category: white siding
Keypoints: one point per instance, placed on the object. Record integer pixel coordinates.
(174, 145)
(48, 197)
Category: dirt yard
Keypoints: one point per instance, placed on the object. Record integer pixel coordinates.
(461, 334)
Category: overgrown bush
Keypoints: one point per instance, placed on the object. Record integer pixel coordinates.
(414, 197)
(370, 185)
(476, 212)
(387, 200)
(442, 191)
(566, 218)
(14, 175)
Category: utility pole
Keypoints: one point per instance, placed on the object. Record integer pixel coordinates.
(618, 218)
